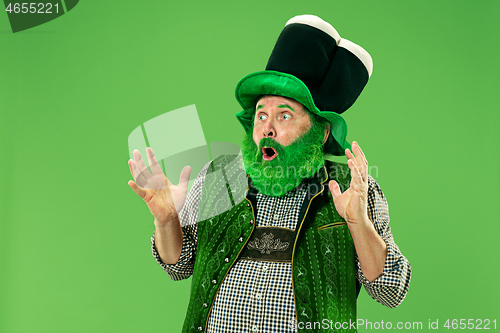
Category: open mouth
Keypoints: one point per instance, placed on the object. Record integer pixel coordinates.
(268, 153)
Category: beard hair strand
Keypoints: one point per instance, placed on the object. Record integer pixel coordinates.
(294, 163)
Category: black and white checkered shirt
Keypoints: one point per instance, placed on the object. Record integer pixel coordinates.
(257, 296)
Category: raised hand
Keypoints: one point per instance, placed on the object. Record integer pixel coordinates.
(352, 204)
(164, 199)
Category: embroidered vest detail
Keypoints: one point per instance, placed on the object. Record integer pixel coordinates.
(271, 244)
(267, 244)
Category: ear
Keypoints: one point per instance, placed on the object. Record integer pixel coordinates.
(327, 132)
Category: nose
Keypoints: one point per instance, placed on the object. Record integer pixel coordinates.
(268, 130)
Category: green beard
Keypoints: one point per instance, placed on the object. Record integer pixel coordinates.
(294, 163)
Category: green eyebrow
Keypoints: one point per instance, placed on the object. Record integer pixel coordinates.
(282, 106)
(286, 106)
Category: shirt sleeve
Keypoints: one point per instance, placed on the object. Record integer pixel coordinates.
(188, 217)
(391, 286)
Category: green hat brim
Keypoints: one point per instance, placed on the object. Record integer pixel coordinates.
(262, 83)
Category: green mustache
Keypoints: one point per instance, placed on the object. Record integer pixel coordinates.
(294, 163)
(271, 143)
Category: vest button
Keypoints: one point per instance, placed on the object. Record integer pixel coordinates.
(240, 239)
(226, 259)
(214, 281)
(251, 221)
(248, 205)
(200, 328)
(205, 305)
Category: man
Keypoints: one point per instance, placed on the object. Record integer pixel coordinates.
(282, 253)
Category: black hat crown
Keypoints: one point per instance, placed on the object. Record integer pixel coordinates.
(334, 69)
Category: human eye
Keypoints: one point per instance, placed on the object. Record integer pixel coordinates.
(261, 117)
(286, 116)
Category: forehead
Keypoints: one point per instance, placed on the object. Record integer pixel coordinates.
(272, 100)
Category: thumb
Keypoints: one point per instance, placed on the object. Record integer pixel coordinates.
(185, 174)
(334, 188)
(138, 190)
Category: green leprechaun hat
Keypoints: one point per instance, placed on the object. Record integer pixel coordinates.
(313, 65)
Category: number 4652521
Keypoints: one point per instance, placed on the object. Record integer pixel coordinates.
(33, 7)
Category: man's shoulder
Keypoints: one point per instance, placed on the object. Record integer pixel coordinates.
(222, 162)
(224, 187)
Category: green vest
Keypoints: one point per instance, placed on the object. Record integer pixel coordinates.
(323, 259)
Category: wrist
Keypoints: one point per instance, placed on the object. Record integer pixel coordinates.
(360, 225)
(166, 221)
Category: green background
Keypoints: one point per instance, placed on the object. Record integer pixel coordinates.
(74, 238)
